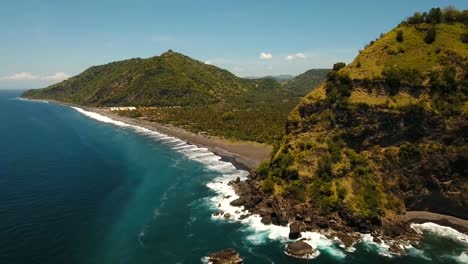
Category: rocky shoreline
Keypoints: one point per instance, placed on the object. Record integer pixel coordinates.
(395, 234)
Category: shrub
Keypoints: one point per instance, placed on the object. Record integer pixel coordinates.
(430, 35)
(409, 153)
(262, 170)
(338, 66)
(296, 189)
(399, 36)
(227, 116)
(464, 38)
(268, 185)
(395, 77)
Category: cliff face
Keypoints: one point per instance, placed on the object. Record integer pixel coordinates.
(382, 135)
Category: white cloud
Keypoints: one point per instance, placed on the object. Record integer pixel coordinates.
(20, 76)
(265, 56)
(208, 62)
(296, 56)
(27, 76)
(58, 76)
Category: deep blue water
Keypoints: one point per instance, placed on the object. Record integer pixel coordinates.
(77, 190)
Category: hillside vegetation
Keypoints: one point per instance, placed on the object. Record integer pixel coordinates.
(386, 133)
(173, 88)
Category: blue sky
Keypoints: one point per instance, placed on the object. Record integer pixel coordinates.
(43, 42)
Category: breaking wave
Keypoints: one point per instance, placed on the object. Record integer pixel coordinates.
(257, 232)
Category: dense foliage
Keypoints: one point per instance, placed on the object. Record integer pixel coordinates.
(384, 133)
(173, 88)
(436, 15)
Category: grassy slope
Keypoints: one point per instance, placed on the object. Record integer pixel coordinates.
(417, 54)
(353, 156)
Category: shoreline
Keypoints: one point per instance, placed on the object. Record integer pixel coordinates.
(254, 218)
(419, 217)
(244, 155)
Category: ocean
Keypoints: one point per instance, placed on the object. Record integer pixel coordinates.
(77, 187)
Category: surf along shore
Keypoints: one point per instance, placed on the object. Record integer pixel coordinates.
(247, 156)
(244, 155)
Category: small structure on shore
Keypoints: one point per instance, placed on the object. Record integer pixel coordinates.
(123, 108)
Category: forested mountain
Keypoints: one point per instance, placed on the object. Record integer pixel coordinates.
(305, 82)
(384, 134)
(187, 93)
(171, 79)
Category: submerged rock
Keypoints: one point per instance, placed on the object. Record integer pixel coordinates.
(227, 256)
(300, 249)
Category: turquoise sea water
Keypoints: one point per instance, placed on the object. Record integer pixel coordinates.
(75, 188)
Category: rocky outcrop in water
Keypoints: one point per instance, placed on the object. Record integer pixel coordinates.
(300, 249)
(227, 256)
(303, 217)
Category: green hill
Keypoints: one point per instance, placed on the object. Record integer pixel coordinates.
(171, 79)
(305, 82)
(384, 134)
(186, 93)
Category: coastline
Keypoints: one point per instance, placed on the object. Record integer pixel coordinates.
(225, 187)
(244, 155)
(419, 217)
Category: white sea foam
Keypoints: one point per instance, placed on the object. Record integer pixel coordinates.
(462, 258)
(32, 100)
(260, 233)
(382, 248)
(443, 231)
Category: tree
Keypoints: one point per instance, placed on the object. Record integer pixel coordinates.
(451, 14)
(399, 36)
(463, 17)
(338, 66)
(430, 35)
(435, 16)
(416, 18)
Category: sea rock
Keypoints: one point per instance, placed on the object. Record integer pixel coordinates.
(227, 216)
(244, 216)
(227, 256)
(300, 249)
(347, 239)
(294, 230)
(393, 230)
(266, 219)
(238, 202)
(281, 209)
(322, 222)
(396, 250)
(219, 213)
